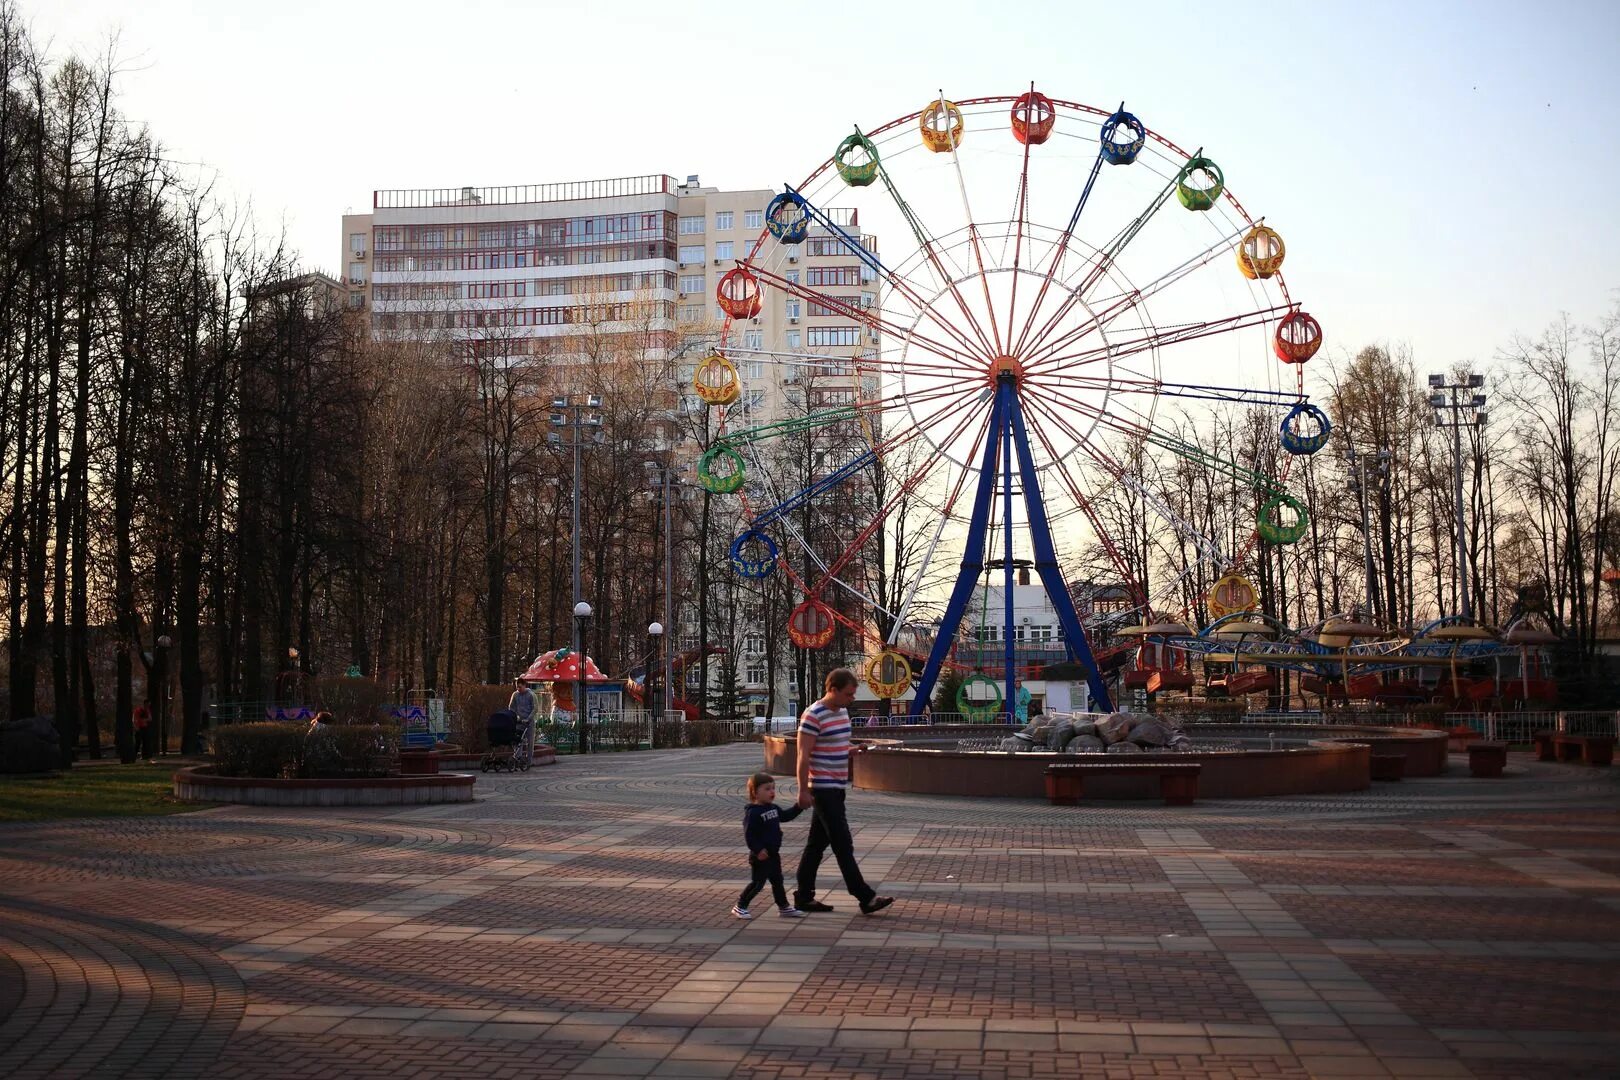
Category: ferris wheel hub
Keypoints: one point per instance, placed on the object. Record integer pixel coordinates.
(1006, 367)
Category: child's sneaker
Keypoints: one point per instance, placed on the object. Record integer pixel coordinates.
(791, 913)
(740, 912)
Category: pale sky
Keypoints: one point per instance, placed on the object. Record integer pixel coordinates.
(1443, 172)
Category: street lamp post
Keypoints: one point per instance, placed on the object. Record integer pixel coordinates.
(1456, 406)
(582, 615)
(576, 415)
(655, 631)
(1379, 465)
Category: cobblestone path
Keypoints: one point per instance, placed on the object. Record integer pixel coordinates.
(574, 922)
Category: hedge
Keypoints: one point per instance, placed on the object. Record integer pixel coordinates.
(294, 752)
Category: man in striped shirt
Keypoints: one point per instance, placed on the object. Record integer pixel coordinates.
(823, 775)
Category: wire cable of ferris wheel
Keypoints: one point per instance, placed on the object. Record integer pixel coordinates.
(1032, 423)
(898, 281)
(1159, 337)
(1104, 316)
(870, 317)
(1099, 267)
(1179, 447)
(973, 238)
(847, 471)
(1241, 395)
(908, 484)
(1018, 246)
(1207, 545)
(1059, 248)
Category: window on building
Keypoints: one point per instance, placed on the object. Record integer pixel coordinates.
(791, 277)
(792, 309)
(754, 339)
(692, 283)
(690, 313)
(753, 401)
(357, 273)
(691, 226)
(753, 219)
(793, 341)
(824, 337)
(754, 369)
(691, 253)
(723, 250)
(756, 672)
(723, 220)
(357, 243)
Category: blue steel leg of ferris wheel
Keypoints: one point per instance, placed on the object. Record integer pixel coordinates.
(972, 561)
(1046, 564)
(1004, 390)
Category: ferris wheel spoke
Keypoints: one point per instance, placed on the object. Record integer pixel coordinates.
(1022, 200)
(1124, 476)
(900, 281)
(1100, 266)
(962, 473)
(869, 317)
(1241, 395)
(1058, 250)
(1159, 338)
(1165, 441)
(908, 484)
(1107, 313)
(974, 240)
(1035, 424)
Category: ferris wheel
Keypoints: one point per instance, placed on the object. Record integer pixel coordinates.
(1053, 280)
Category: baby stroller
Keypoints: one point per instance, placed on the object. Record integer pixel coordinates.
(510, 745)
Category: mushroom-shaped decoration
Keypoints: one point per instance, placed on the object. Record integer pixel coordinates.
(1341, 630)
(1199, 183)
(720, 469)
(1298, 337)
(788, 217)
(941, 125)
(1457, 634)
(1032, 118)
(738, 294)
(888, 674)
(1242, 628)
(811, 625)
(1122, 138)
(1260, 253)
(561, 667)
(716, 382)
(856, 160)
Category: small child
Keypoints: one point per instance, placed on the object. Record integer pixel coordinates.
(762, 827)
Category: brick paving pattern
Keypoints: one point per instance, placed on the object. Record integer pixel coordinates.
(573, 923)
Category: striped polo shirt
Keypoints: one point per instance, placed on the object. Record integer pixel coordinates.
(829, 761)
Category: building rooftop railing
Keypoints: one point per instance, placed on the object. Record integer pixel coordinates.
(616, 188)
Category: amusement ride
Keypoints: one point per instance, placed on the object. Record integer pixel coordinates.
(1052, 274)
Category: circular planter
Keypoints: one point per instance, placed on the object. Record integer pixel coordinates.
(471, 759)
(201, 784)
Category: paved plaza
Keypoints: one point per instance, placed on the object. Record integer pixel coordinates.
(574, 922)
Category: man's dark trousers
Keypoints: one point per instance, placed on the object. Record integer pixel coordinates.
(829, 827)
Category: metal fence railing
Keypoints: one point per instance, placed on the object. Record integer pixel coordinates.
(1520, 727)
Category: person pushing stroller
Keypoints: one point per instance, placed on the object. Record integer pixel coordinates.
(762, 828)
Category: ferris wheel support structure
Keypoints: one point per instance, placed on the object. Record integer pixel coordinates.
(1005, 439)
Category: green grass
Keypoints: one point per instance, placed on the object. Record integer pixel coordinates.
(137, 790)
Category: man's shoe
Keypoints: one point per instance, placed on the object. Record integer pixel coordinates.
(877, 904)
(815, 905)
(791, 913)
(741, 912)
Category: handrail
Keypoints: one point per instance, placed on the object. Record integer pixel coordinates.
(567, 191)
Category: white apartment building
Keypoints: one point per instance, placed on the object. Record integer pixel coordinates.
(517, 270)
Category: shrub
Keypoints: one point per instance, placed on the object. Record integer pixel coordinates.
(470, 706)
(350, 701)
(291, 751)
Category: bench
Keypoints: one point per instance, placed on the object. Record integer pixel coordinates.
(1387, 766)
(1544, 745)
(1591, 749)
(1178, 780)
(1487, 759)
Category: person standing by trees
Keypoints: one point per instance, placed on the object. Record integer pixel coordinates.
(823, 775)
